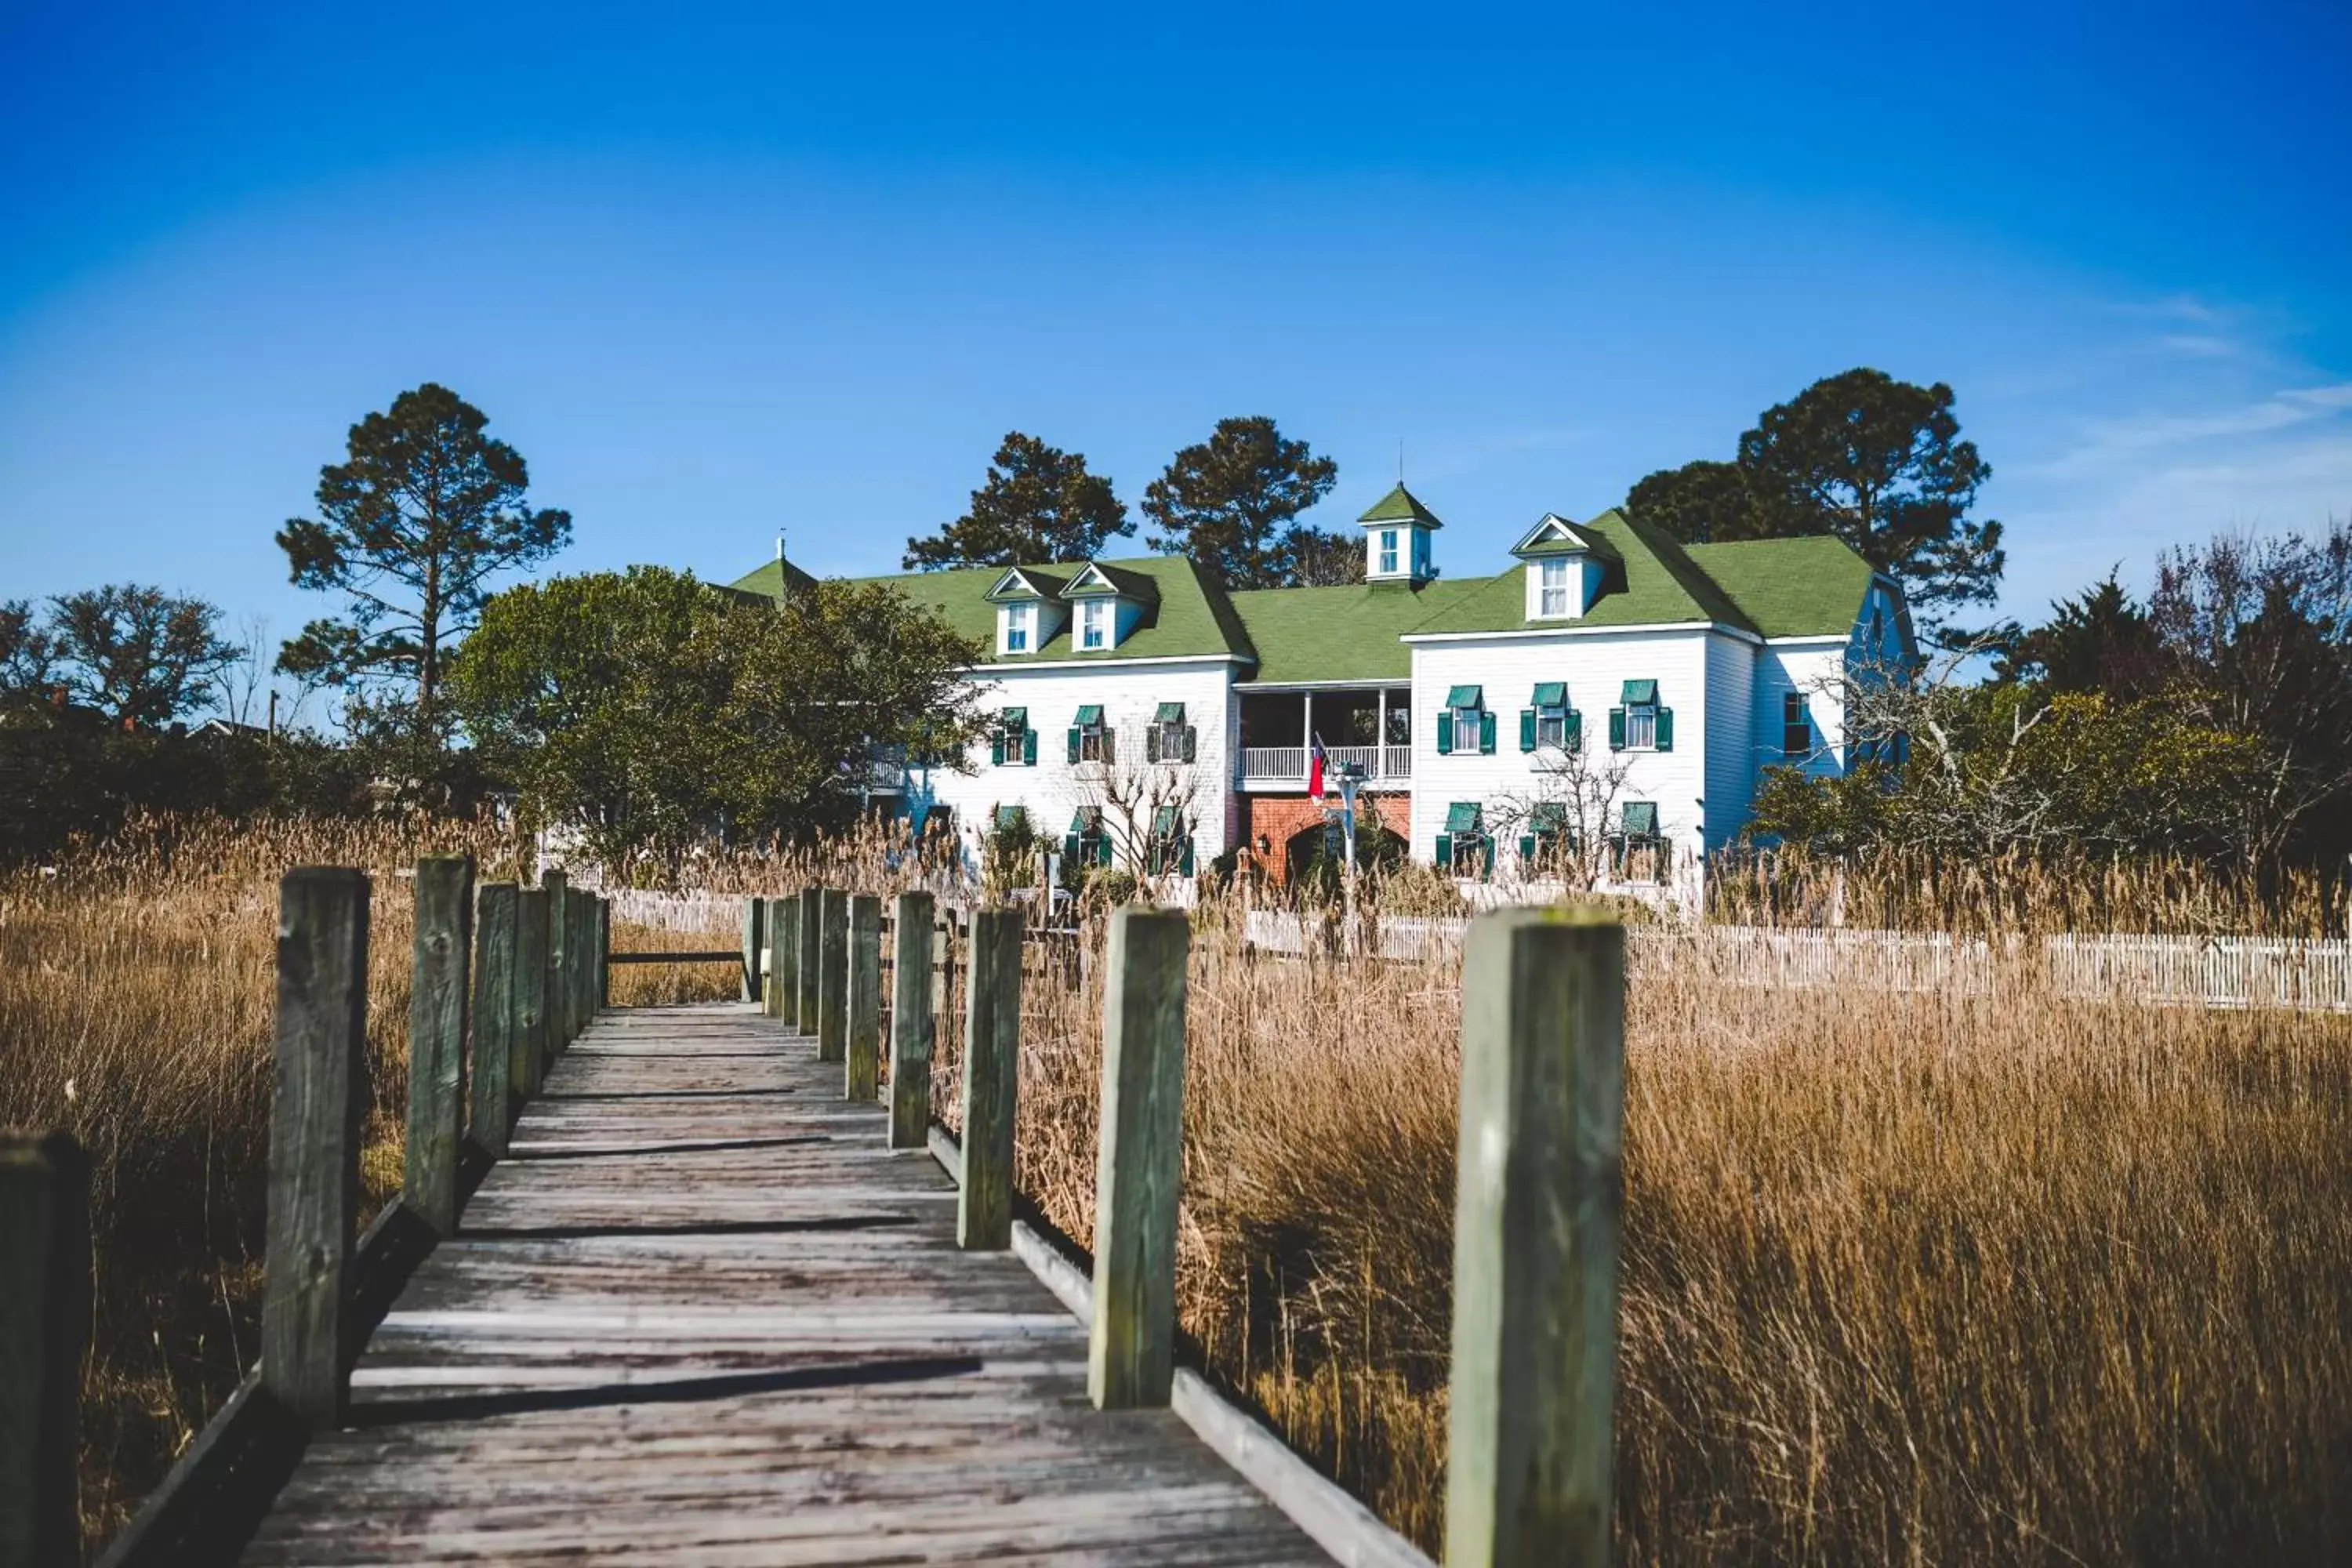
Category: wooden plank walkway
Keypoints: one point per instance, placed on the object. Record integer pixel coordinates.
(703, 1315)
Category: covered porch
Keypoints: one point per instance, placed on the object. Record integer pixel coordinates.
(1368, 727)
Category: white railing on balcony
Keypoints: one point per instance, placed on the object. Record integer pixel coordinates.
(1288, 765)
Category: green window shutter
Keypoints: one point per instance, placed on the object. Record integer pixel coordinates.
(1151, 744)
(1444, 851)
(1102, 850)
(1487, 857)
(1526, 729)
(1575, 730)
(1070, 849)
(1190, 741)
(1665, 729)
(1074, 743)
(1110, 747)
(1616, 729)
(1485, 734)
(1526, 848)
(1444, 732)
(1185, 864)
(1028, 748)
(996, 749)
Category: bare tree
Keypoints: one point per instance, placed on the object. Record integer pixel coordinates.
(1139, 786)
(1574, 794)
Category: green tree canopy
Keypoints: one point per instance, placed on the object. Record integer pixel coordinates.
(136, 654)
(2101, 640)
(27, 653)
(412, 527)
(1230, 503)
(650, 712)
(1039, 504)
(1876, 461)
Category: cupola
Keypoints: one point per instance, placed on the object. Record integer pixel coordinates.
(1396, 539)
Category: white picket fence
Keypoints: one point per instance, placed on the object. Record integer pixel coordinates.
(2213, 972)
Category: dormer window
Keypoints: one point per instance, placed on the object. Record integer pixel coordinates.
(1552, 587)
(1094, 621)
(1020, 625)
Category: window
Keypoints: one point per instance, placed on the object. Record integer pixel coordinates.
(1552, 587)
(1642, 723)
(1094, 623)
(1170, 847)
(1465, 848)
(1464, 724)
(1090, 739)
(1388, 552)
(1550, 722)
(1796, 727)
(1019, 621)
(1549, 843)
(1641, 848)
(1012, 743)
(1169, 739)
(1087, 844)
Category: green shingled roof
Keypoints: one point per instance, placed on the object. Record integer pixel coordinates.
(1340, 633)
(1186, 615)
(1399, 506)
(1779, 588)
(1790, 587)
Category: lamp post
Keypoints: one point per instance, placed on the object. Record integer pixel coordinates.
(1347, 776)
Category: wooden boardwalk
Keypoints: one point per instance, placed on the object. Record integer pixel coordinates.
(702, 1315)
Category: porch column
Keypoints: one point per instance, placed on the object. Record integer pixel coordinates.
(1381, 737)
(1306, 736)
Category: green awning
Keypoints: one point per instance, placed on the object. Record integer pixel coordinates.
(1462, 816)
(1640, 692)
(1641, 816)
(1551, 693)
(1163, 823)
(1012, 816)
(1549, 816)
(1466, 697)
(1015, 718)
(1087, 821)
(1089, 716)
(1169, 713)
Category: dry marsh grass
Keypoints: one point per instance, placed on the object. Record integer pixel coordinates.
(1948, 1277)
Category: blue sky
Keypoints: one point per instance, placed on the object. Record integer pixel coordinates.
(719, 271)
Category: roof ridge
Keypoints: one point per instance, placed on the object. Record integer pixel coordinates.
(1669, 554)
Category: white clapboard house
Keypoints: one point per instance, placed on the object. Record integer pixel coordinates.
(1608, 700)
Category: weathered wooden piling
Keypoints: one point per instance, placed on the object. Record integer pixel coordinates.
(811, 966)
(314, 1140)
(753, 911)
(771, 970)
(788, 959)
(991, 1073)
(491, 1065)
(1535, 1242)
(532, 976)
(832, 978)
(1130, 1353)
(862, 1078)
(44, 1284)
(911, 1022)
(558, 965)
(437, 997)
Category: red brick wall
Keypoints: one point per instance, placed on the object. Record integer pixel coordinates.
(1280, 817)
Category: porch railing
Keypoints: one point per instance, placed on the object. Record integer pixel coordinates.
(1288, 765)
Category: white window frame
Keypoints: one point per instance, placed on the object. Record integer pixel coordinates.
(1095, 620)
(1642, 726)
(1020, 621)
(1389, 551)
(1551, 729)
(1551, 598)
(1090, 740)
